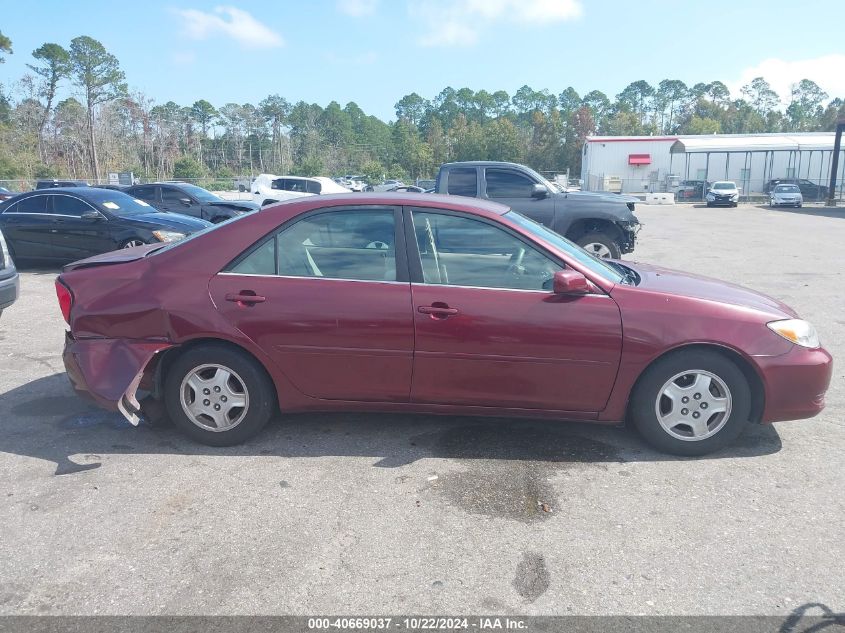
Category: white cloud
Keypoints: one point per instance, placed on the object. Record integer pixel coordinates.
(357, 8)
(459, 22)
(229, 22)
(826, 71)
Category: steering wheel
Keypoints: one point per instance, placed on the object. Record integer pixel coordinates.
(515, 266)
(378, 244)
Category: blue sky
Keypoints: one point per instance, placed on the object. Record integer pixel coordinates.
(375, 51)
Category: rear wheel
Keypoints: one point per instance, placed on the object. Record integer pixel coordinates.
(132, 243)
(600, 244)
(691, 403)
(218, 395)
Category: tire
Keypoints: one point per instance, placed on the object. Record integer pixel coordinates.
(600, 244)
(130, 243)
(720, 430)
(735, 204)
(709, 205)
(798, 206)
(248, 381)
(241, 188)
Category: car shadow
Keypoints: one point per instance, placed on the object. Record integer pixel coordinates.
(822, 212)
(45, 419)
(37, 269)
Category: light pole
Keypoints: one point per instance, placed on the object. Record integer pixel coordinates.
(834, 163)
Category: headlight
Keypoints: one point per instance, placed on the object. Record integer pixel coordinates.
(735, 196)
(798, 331)
(168, 236)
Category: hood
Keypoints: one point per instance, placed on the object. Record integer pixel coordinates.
(674, 282)
(245, 205)
(168, 221)
(723, 192)
(600, 195)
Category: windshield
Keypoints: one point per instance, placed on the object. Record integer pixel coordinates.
(724, 185)
(203, 195)
(121, 204)
(787, 189)
(595, 264)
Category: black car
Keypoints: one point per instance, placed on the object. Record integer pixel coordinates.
(52, 184)
(9, 281)
(809, 189)
(180, 197)
(66, 224)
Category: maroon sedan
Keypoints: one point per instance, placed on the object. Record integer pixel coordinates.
(428, 304)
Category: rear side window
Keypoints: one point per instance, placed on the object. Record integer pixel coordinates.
(463, 181)
(503, 183)
(358, 245)
(170, 194)
(33, 204)
(145, 193)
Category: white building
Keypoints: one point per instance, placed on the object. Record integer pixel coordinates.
(659, 163)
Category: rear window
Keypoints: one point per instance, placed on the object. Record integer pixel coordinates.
(463, 181)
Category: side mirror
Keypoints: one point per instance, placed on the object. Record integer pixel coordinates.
(185, 201)
(92, 215)
(539, 191)
(570, 282)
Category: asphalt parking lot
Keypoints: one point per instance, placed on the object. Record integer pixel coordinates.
(392, 514)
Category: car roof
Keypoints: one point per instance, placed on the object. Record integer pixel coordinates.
(484, 163)
(88, 193)
(408, 199)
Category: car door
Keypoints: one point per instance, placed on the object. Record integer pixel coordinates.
(75, 237)
(174, 200)
(515, 189)
(328, 298)
(490, 332)
(28, 226)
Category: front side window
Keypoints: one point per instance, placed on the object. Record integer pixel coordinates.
(502, 183)
(461, 251)
(66, 205)
(348, 244)
(463, 181)
(171, 194)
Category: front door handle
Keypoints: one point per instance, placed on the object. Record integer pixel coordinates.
(438, 311)
(245, 299)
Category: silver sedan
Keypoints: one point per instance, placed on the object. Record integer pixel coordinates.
(786, 196)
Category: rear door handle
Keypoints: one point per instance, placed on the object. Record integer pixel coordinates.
(437, 311)
(245, 298)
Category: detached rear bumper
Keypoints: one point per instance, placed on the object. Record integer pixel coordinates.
(109, 371)
(795, 383)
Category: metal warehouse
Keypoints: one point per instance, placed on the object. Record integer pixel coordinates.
(662, 163)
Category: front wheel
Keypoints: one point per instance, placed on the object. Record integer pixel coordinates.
(132, 243)
(691, 403)
(600, 244)
(218, 395)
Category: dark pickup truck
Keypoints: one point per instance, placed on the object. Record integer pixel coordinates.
(603, 224)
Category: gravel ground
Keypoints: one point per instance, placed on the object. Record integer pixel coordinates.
(393, 514)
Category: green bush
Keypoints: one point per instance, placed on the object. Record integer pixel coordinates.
(188, 168)
(219, 185)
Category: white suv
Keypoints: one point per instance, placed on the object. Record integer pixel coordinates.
(267, 188)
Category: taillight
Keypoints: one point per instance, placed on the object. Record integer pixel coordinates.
(65, 299)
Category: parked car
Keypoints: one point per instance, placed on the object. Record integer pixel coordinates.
(386, 185)
(68, 223)
(9, 280)
(187, 199)
(786, 196)
(426, 183)
(428, 304)
(406, 189)
(603, 224)
(244, 183)
(51, 184)
(353, 183)
(114, 187)
(269, 189)
(809, 189)
(723, 193)
(691, 189)
(5, 194)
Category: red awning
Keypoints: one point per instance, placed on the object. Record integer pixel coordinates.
(639, 159)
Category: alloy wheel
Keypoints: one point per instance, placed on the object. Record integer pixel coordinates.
(214, 397)
(693, 405)
(133, 243)
(598, 249)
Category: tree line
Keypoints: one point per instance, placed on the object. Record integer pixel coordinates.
(72, 115)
